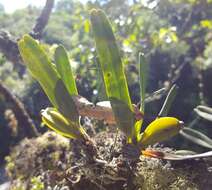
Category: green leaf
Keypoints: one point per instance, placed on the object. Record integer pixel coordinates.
(137, 126)
(64, 69)
(196, 137)
(87, 26)
(122, 111)
(184, 152)
(173, 156)
(109, 57)
(45, 73)
(113, 70)
(204, 112)
(66, 104)
(168, 101)
(39, 66)
(155, 95)
(205, 109)
(143, 73)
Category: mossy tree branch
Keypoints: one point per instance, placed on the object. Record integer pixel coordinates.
(26, 125)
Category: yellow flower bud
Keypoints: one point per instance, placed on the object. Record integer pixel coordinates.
(57, 122)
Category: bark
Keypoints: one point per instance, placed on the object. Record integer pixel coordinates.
(101, 111)
(42, 20)
(9, 48)
(26, 125)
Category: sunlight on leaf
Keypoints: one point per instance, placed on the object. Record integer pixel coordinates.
(160, 129)
(143, 73)
(57, 122)
(113, 70)
(64, 69)
(46, 74)
(39, 65)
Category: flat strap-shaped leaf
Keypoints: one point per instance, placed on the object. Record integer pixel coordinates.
(64, 69)
(109, 57)
(143, 73)
(65, 102)
(45, 73)
(113, 71)
(39, 65)
(172, 156)
(205, 109)
(196, 137)
(168, 101)
(204, 112)
(126, 116)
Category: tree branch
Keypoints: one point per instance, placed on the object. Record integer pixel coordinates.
(42, 20)
(9, 47)
(24, 121)
(8, 43)
(101, 111)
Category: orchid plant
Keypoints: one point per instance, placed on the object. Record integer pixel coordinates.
(58, 82)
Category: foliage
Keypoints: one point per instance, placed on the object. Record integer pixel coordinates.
(59, 85)
(174, 35)
(56, 81)
(113, 72)
(64, 118)
(135, 28)
(204, 112)
(22, 19)
(196, 136)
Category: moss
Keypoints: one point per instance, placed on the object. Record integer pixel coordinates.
(157, 175)
(33, 157)
(36, 183)
(49, 161)
(10, 165)
(18, 185)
